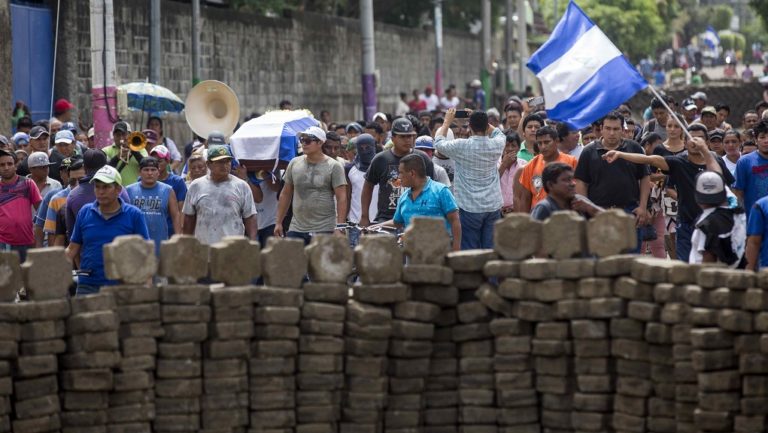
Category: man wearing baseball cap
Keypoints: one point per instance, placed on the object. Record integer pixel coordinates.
(39, 168)
(720, 234)
(18, 196)
(64, 147)
(39, 140)
(84, 192)
(120, 156)
(156, 201)
(52, 214)
(384, 173)
(219, 204)
(313, 181)
(99, 223)
(168, 177)
(62, 110)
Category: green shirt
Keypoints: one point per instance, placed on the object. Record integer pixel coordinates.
(524, 153)
(130, 171)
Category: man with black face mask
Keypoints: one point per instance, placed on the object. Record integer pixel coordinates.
(355, 172)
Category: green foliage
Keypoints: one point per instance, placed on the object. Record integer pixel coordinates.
(635, 26)
(720, 17)
(761, 9)
(732, 40)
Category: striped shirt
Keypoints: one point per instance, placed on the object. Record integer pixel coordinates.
(476, 182)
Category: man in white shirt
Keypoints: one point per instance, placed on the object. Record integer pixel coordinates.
(430, 98)
(450, 100)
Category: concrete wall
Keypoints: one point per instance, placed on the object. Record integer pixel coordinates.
(473, 341)
(6, 83)
(312, 60)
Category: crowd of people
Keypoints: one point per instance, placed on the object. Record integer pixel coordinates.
(696, 185)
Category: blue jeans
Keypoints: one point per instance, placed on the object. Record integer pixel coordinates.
(353, 234)
(86, 289)
(477, 229)
(264, 234)
(683, 241)
(307, 237)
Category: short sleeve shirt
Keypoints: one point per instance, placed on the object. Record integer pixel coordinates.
(611, 184)
(220, 207)
(17, 199)
(435, 200)
(530, 178)
(383, 172)
(314, 185)
(682, 174)
(757, 225)
(544, 209)
(752, 178)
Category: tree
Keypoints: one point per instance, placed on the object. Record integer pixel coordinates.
(720, 17)
(761, 8)
(634, 26)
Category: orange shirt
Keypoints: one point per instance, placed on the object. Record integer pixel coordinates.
(531, 176)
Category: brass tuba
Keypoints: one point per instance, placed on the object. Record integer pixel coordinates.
(212, 106)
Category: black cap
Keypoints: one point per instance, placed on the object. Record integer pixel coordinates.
(149, 161)
(72, 162)
(37, 132)
(94, 159)
(717, 134)
(402, 126)
(122, 127)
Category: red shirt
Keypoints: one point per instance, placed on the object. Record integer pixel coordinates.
(16, 201)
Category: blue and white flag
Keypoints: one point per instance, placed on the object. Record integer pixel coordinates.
(583, 75)
(710, 38)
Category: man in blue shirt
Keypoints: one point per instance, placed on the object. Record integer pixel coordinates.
(99, 223)
(757, 232)
(424, 197)
(157, 202)
(752, 170)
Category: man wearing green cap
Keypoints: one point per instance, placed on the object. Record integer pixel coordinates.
(98, 224)
(219, 204)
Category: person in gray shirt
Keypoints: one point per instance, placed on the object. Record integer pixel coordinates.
(318, 188)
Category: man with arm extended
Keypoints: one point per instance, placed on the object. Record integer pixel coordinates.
(682, 170)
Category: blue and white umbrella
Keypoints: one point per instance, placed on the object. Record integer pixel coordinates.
(273, 136)
(152, 98)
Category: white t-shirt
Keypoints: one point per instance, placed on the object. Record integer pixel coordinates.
(431, 100)
(449, 103)
(220, 207)
(267, 209)
(356, 181)
(441, 176)
(731, 166)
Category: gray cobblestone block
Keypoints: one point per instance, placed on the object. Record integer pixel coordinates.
(468, 280)
(658, 333)
(674, 313)
(488, 295)
(93, 342)
(476, 364)
(754, 405)
(626, 328)
(406, 329)
(470, 261)
(631, 289)
(573, 269)
(720, 401)
(38, 424)
(614, 266)
(643, 311)
(363, 347)
(226, 349)
(534, 311)
(744, 423)
(321, 344)
(713, 277)
(753, 363)
(716, 381)
(272, 383)
(417, 311)
(86, 380)
(173, 369)
(711, 338)
(509, 398)
(410, 348)
(501, 269)
(735, 320)
(552, 331)
(572, 309)
(138, 312)
(427, 274)
(512, 363)
(594, 288)
(713, 421)
(630, 405)
(515, 289)
(514, 380)
(755, 299)
(519, 417)
(473, 312)
(509, 326)
(98, 321)
(595, 383)
(590, 421)
(33, 331)
(628, 423)
(583, 402)
(141, 329)
(185, 313)
(320, 327)
(605, 308)
(537, 269)
(272, 400)
(365, 314)
(278, 296)
(276, 315)
(444, 296)
(553, 385)
(551, 347)
(592, 348)
(262, 420)
(179, 350)
(281, 366)
(589, 329)
(746, 343)
(724, 297)
(553, 290)
(373, 332)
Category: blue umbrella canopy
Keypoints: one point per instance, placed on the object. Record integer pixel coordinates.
(152, 98)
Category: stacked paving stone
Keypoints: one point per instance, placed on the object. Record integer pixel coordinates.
(750, 348)
(236, 262)
(185, 313)
(10, 332)
(321, 346)
(367, 330)
(92, 353)
(37, 407)
(274, 348)
(132, 400)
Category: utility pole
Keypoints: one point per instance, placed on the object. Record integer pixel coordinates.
(103, 71)
(485, 75)
(509, 43)
(195, 42)
(369, 59)
(154, 41)
(439, 47)
(522, 43)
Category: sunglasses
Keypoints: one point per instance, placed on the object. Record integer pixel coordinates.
(308, 139)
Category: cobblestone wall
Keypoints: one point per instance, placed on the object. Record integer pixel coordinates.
(312, 60)
(486, 341)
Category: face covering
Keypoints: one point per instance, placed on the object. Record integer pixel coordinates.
(366, 150)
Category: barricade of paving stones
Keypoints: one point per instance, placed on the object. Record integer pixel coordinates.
(234, 339)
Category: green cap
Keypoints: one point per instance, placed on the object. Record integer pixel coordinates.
(216, 153)
(108, 174)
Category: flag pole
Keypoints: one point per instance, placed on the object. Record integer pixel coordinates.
(671, 113)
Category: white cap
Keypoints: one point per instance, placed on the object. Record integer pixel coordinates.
(379, 114)
(316, 132)
(475, 83)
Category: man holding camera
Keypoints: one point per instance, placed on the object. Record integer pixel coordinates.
(476, 182)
